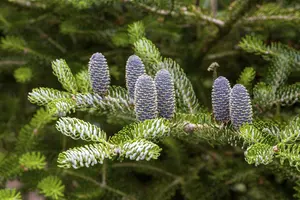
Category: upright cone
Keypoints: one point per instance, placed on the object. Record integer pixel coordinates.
(134, 69)
(220, 99)
(145, 98)
(240, 106)
(99, 74)
(165, 94)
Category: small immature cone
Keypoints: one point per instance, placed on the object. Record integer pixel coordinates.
(165, 94)
(134, 69)
(145, 98)
(220, 99)
(240, 106)
(99, 74)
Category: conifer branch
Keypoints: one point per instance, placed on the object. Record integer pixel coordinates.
(27, 138)
(76, 128)
(12, 62)
(174, 183)
(52, 186)
(107, 187)
(254, 19)
(32, 160)
(144, 166)
(241, 8)
(10, 194)
(64, 75)
(43, 96)
(183, 11)
(19, 45)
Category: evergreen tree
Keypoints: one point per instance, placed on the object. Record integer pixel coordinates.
(135, 120)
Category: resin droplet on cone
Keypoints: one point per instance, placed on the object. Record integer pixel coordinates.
(99, 74)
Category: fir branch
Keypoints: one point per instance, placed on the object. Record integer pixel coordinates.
(84, 101)
(87, 155)
(117, 100)
(174, 183)
(10, 194)
(297, 188)
(259, 154)
(32, 161)
(195, 128)
(253, 135)
(13, 43)
(19, 45)
(140, 149)
(147, 51)
(42, 96)
(274, 13)
(106, 187)
(136, 31)
(290, 134)
(61, 107)
(241, 8)
(10, 167)
(144, 166)
(195, 14)
(283, 18)
(83, 81)
(246, 77)
(79, 129)
(52, 187)
(266, 97)
(64, 75)
(255, 45)
(122, 136)
(27, 138)
(152, 129)
(278, 71)
(51, 41)
(23, 74)
(288, 95)
(289, 152)
(12, 62)
(88, 191)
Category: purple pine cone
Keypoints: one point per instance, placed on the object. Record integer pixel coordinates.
(145, 98)
(165, 94)
(220, 99)
(134, 69)
(99, 74)
(240, 106)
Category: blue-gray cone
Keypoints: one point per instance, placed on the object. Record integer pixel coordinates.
(145, 98)
(240, 106)
(220, 99)
(134, 69)
(165, 94)
(99, 74)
